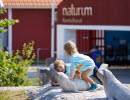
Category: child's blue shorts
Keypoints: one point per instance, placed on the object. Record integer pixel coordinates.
(87, 67)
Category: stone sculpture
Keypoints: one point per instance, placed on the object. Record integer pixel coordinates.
(114, 89)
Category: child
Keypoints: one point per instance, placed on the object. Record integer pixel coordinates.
(60, 66)
(85, 64)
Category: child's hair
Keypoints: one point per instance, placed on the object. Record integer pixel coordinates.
(70, 48)
(57, 63)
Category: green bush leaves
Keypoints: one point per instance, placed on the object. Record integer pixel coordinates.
(14, 66)
(5, 22)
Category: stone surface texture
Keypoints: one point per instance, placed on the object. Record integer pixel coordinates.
(47, 92)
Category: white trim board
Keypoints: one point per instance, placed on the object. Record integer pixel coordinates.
(96, 27)
(10, 31)
(30, 7)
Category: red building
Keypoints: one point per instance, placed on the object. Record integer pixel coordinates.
(87, 22)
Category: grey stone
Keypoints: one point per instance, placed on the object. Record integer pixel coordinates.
(48, 92)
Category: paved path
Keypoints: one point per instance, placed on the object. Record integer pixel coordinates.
(33, 70)
(15, 88)
(122, 75)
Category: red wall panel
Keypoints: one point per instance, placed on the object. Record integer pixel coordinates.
(35, 24)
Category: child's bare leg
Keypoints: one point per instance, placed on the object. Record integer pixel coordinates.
(87, 79)
(77, 74)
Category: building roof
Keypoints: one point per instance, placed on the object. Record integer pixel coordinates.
(30, 3)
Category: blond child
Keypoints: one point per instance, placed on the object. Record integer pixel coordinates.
(81, 62)
(60, 66)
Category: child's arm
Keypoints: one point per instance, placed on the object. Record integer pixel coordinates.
(54, 84)
(72, 73)
(78, 74)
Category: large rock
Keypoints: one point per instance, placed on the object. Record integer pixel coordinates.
(47, 92)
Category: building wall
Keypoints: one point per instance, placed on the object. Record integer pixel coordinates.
(104, 12)
(35, 24)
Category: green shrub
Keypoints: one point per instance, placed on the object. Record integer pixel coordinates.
(14, 66)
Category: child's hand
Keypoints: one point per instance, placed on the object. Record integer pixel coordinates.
(70, 78)
(54, 84)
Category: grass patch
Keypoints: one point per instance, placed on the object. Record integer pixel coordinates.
(13, 95)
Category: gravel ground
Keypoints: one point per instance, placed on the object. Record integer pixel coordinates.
(122, 75)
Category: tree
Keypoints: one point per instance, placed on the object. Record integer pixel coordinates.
(5, 22)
